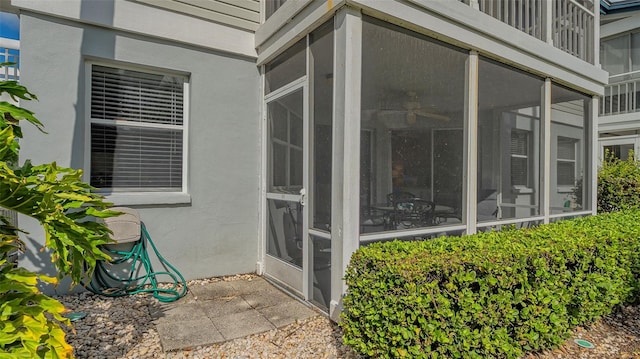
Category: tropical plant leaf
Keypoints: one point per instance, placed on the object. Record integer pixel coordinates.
(30, 322)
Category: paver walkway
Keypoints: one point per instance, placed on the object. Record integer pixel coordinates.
(221, 311)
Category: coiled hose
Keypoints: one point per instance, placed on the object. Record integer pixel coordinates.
(106, 282)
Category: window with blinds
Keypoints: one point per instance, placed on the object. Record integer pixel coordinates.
(520, 158)
(566, 161)
(137, 132)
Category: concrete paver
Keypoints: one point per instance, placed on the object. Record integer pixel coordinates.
(251, 286)
(220, 311)
(286, 313)
(266, 298)
(221, 307)
(183, 312)
(213, 290)
(242, 324)
(188, 334)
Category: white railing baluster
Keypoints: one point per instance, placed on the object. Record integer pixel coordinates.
(567, 24)
(625, 106)
(635, 96)
(505, 7)
(10, 52)
(618, 95)
(514, 9)
(564, 15)
(576, 33)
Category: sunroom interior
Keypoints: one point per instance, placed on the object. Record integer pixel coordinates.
(374, 132)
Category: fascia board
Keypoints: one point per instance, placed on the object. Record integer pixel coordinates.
(147, 20)
(607, 7)
(460, 25)
(9, 43)
(309, 18)
(620, 26)
(6, 6)
(625, 121)
(279, 19)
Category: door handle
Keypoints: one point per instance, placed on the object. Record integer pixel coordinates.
(303, 196)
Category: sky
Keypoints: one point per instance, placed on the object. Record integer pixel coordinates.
(9, 26)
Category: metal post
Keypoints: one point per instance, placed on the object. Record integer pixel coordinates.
(545, 146)
(470, 194)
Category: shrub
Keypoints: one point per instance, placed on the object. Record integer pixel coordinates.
(490, 295)
(619, 184)
(30, 322)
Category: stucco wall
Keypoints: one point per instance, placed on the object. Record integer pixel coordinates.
(215, 234)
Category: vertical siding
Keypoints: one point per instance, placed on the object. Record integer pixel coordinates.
(244, 14)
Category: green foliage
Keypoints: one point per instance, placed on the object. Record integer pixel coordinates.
(30, 322)
(490, 295)
(618, 184)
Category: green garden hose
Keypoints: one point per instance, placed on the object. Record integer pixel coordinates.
(106, 282)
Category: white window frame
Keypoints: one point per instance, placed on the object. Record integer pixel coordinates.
(566, 187)
(617, 141)
(138, 197)
(287, 144)
(526, 156)
(631, 72)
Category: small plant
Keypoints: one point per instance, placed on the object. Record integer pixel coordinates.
(30, 322)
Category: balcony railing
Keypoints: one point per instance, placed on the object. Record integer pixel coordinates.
(524, 15)
(621, 97)
(569, 28)
(573, 28)
(10, 52)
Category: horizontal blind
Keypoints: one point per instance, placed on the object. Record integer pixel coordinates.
(566, 158)
(118, 94)
(566, 148)
(566, 173)
(519, 143)
(137, 133)
(519, 158)
(519, 171)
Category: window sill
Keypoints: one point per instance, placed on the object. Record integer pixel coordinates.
(565, 189)
(147, 198)
(521, 190)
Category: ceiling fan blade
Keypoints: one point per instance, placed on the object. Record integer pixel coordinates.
(389, 114)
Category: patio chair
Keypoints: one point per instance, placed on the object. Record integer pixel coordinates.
(130, 270)
(414, 213)
(399, 196)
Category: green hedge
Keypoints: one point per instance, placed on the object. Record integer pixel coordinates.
(490, 295)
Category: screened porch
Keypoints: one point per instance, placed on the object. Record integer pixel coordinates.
(377, 130)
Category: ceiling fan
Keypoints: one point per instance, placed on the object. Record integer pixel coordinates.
(411, 109)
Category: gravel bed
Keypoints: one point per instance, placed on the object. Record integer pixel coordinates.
(122, 328)
(617, 336)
